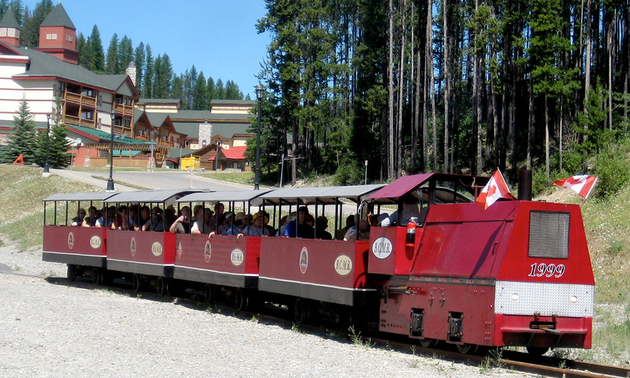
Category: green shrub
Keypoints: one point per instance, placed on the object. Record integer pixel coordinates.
(349, 173)
(613, 169)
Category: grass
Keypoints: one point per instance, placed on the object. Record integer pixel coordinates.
(21, 207)
(245, 178)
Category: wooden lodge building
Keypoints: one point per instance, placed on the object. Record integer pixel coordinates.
(92, 106)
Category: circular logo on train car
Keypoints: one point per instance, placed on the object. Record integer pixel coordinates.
(70, 240)
(207, 251)
(382, 248)
(303, 260)
(95, 242)
(237, 257)
(180, 251)
(132, 246)
(156, 248)
(343, 265)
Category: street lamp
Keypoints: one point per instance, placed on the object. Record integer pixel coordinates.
(46, 170)
(260, 92)
(110, 182)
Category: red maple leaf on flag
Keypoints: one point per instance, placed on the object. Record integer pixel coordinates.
(581, 184)
(495, 189)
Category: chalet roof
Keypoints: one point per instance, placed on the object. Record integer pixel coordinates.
(229, 117)
(234, 153)
(58, 17)
(159, 101)
(105, 137)
(156, 119)
(233, 102)
(189, 128)
(228, 130)
(46, 65)
(191, 115)
(9, 20)
(176, 153)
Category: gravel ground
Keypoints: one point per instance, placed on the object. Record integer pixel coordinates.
(54, 330)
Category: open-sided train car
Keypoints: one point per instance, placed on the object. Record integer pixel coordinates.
(220, 261)
(515, 274)
(82, 248)
(316, 274)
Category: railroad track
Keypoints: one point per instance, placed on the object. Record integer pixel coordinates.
(516, 361)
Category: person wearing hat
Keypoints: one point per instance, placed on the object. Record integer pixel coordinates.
(256, 228)
(240, 221)
(227, 223)
(204, 225)
(155, 223)
(299, 228)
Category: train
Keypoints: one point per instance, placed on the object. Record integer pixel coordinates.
(425, 261)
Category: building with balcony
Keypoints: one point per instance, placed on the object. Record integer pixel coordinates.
(51, 81)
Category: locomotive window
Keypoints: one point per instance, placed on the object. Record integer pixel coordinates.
(549, 234)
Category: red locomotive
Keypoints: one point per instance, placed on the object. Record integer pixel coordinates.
(437, 269)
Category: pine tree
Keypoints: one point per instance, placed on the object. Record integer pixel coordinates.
(97, 61)
(30, 31)
(200, 94)
(140, 60)
(113, 64)
(219, 91)
(147, 84)
(125, 54)
(23, 140)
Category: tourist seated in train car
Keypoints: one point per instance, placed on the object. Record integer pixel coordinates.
(122, 218)
(408, 211)
(168, 217)
(205, 225)
(227, 225)
(362, 234)
(132, 218)
(197, 213)
(299, 228)
(257, 227)
(340, 233)
(322, 225)
(266, 218)
(145, 217)
(284, 222)
(108, 219)
(155, 223)
(90, 220)
(181, 225)
(78, 220)
(218, 219)
(240, 222)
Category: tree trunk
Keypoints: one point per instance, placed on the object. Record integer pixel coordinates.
(401, 92)
(390, 75)
(446, 85)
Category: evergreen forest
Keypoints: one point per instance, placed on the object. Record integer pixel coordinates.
(406, 86)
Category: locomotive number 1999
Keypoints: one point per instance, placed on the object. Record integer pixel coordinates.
(547, 270)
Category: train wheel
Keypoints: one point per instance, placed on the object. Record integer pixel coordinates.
(427, 343)
(299, 311)
(97, 276)
(466, 348)
(161, 286)
(209, 293)
(72, 272)
(537, 351)
(240, 300)
(136, 282)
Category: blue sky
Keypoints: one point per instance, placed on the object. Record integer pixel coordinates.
(217, 36)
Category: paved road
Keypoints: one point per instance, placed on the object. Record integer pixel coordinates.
(154, 180)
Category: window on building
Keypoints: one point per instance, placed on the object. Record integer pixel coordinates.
(69, 38)
(87, 114)
(11, 32)
(51, 36)
(89, 92)
(3, 32)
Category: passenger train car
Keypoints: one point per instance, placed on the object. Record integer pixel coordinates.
(428, 262)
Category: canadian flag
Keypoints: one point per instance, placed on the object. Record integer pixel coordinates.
(495, 188)
(581, 184)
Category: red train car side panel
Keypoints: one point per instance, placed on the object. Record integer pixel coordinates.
(151, 253)
(75, 245)
(220, 260)
(327, 270)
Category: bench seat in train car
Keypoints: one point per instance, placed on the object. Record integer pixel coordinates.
(85, 246)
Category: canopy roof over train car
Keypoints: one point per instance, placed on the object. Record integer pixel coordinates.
(408, 184)
(150, 196)
(326, 194)
(238, 196)
(89, 196)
